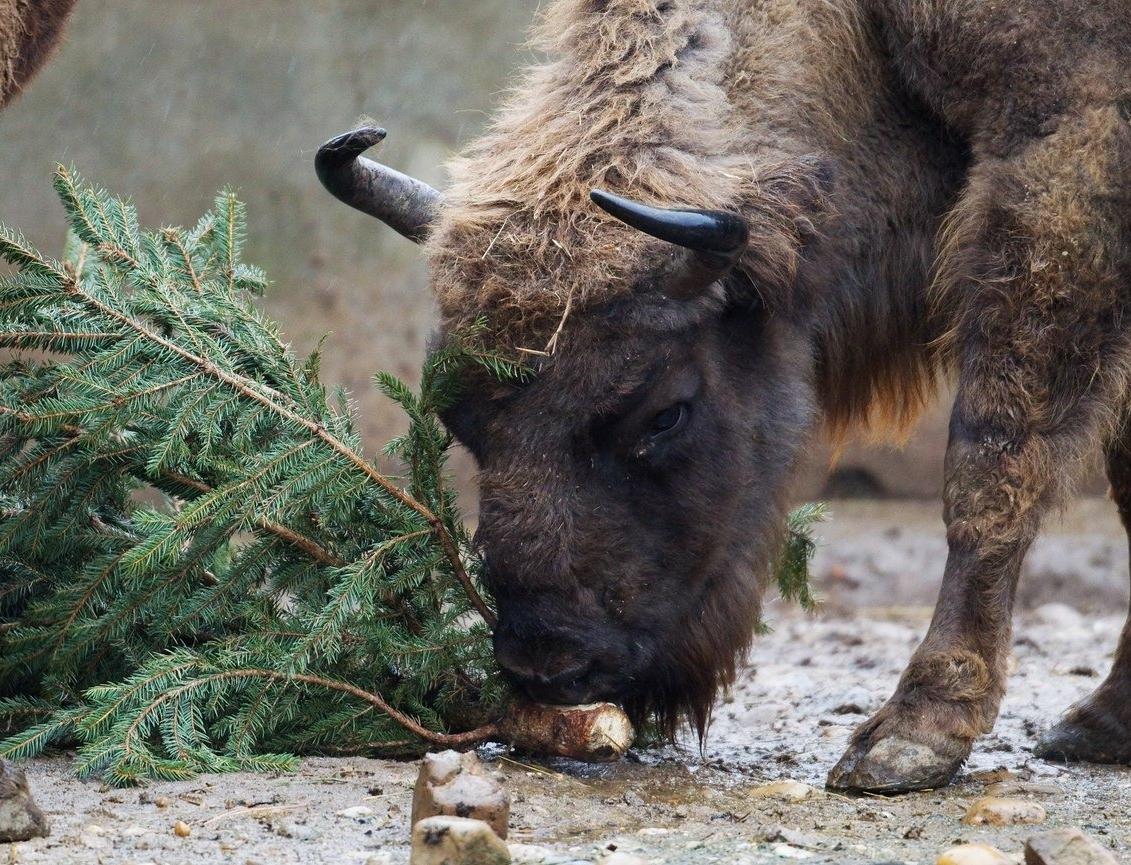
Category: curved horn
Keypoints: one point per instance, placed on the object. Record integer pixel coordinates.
(406, 205)
(717, 238)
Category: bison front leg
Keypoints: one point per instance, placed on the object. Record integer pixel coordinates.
(950, 692)
(1038, 268)
(1098, 729)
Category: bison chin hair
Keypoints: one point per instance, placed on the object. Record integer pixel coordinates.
(690, 670)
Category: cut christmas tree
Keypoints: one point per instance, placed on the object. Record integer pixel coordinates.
(200, 570)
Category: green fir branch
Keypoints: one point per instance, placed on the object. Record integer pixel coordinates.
(200, 571)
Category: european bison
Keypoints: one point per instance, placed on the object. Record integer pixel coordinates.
(29, 33)
(885, 192)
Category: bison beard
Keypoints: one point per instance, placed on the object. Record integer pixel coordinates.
(699, 663)
(927, 192)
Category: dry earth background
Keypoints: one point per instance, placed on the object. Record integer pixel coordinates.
(169, 101)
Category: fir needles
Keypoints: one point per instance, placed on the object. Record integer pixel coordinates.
(188, 515)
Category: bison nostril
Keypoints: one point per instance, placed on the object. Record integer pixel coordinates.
(551, 680)
(569, 677)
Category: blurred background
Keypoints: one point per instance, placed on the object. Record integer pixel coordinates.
(169, 101)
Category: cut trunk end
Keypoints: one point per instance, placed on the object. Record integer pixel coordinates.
(596, 733)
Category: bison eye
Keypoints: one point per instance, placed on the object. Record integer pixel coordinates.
(669, 419)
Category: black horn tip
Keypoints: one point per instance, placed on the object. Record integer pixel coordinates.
(703, 230)
(350, 145)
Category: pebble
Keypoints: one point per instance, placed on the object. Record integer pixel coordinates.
(1025, 788)
(973, 854)
(459, 785)
(456, 841)
(357, 812)
(93, 841)
(295, 830)
(182, 829)
(1058, 615)
(1066, 847)
(788, 851)
(1041, 769)
(618, 857)
(787, 791)
(1003, 812)
(530, 854)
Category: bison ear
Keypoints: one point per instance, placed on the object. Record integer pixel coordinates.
(407, 205)
(713, 240)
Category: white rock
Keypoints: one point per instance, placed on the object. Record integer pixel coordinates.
(357, 812)
(996, 811)
(530, 854)
(1065, 847)
(456, 841)
(788, 851)
(94, 842)
(1060, 615)
(973, 854)
(619, 857)
(787, 790)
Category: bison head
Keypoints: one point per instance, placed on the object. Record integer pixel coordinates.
(632, 490)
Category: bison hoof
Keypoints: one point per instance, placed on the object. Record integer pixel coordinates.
(893, 765)
(1087, 737)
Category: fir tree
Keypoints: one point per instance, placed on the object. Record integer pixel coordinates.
(199, 568)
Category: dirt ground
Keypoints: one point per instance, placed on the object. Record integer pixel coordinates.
(806, 686)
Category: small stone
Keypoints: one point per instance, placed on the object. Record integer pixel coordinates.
(94, 829)
(787, 791)
(992, 776)
(634, 799)
(162, 802)
(1059, 615)
(182, 829)
(459, 785)
(530, 854)
(1065, 847)
(357, 812)
(1009, 789)
(20, 817)
(785, 835)
(456, 841)
(619, 857)
(94, 842)
(788, 851)
(973, 854)
(297, 831)
(1003, 812)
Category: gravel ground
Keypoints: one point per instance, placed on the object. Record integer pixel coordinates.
(807, 685)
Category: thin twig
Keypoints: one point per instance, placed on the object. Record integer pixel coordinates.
(439, 740)
(250, 389)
